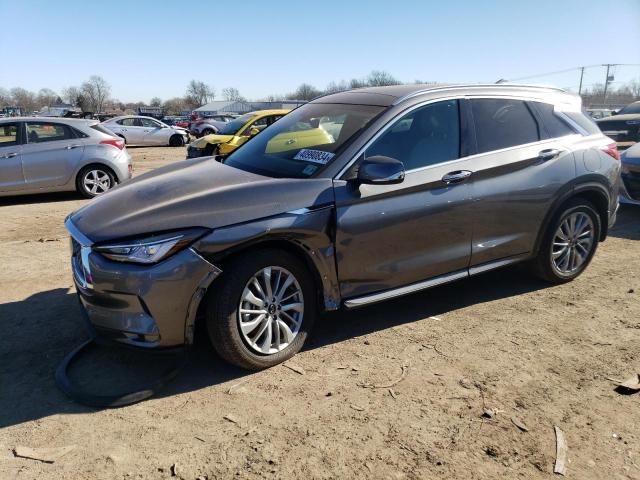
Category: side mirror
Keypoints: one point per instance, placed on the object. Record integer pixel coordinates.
(380, 170)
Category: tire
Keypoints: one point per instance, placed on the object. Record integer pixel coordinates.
(90, 174)
(560, 261)
(207, 131)
(255, 349)
(176, 141)
(210, 150)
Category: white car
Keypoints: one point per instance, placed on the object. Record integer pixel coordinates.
(138, 130)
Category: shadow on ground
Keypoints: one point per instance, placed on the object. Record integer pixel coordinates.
(36, 334)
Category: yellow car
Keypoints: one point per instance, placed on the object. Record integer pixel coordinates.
(234, 134)
(242, 129)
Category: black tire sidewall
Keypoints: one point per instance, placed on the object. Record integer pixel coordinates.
(80, 180)
(176, 141)
(573, 207)
(221, 316)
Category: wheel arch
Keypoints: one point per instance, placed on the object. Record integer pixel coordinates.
(594, 192)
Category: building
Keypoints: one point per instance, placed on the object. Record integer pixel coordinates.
(156, 112)
(223, 106)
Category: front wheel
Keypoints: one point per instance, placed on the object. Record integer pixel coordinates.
(569, 244)
(263, 310)
(176, 141)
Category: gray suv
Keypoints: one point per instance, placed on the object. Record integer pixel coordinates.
(351, 199)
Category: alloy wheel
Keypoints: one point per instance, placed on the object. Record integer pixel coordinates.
(572, 243)
(271, 310)
(96, 182)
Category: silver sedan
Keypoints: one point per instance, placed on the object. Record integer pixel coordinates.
(58, 154)
(138, 130)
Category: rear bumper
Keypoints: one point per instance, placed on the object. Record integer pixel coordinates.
(142, 305)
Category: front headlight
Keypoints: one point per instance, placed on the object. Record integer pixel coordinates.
(150, 249)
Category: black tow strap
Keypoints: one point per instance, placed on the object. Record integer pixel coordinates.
(117, 400)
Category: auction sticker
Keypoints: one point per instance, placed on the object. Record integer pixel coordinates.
(314, 156)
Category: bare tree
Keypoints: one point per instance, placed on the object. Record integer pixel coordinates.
(175, 106)
(24, 99)
(232, 94)
(5, 98)
(46, 97)
(96, 90)
(334, 87)
(155, 102)
(305, 92)
(199, 93)
(634, 87)
(357, 83)
(380, 78)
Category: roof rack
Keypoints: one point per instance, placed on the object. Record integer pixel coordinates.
(475, 85)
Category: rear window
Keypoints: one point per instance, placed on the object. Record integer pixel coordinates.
(554, 125)
(631, 108)
(101, 129)
(502, 123)
(584, 121)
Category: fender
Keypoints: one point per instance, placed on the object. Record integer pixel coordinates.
(592, 183)
(307, 233)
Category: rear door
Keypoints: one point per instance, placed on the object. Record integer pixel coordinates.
(518, 171)
(50, 154)
(132, 130)
(11, 175)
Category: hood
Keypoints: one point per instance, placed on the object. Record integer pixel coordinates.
(195, 193)
(213, 139)
(619, 118)
(179, 129)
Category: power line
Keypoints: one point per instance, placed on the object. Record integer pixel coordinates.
(573, 69)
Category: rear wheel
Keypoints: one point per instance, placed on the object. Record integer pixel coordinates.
(95, 180)
(176, 141)
(570, 242)
(207, 131)
(263, 310)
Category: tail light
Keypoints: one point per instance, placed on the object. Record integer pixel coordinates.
(116, 142)
(611, 150)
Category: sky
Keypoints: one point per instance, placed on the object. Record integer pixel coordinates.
(148, 48)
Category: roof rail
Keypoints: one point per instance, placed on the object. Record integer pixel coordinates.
(475, 85)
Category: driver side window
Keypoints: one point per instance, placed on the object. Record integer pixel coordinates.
(426, 136)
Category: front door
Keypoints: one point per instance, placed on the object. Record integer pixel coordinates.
(11, 175)
(154, 133)
(50, 154)
(390, 236)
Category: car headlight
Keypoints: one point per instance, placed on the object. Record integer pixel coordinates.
(150, 249)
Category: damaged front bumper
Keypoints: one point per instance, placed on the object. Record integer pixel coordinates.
(140, 305)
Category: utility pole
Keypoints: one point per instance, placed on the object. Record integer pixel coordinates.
(581, 75)
(607, 79)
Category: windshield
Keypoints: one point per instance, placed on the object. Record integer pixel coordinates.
(301, 143)
(633, 108)
(232, 127)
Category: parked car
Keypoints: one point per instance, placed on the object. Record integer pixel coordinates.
(51, 155)
(209, 125)
(623, 127)
(234, 133)
(138, 130)
(630, 191)
(597, 113)
(419, 187)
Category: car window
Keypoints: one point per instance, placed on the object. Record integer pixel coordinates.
(127, 122)
(39, 132)
(584, 121)
(303, 142)
(8, 134)
(631, 108)
(231, 128)
(426, 136)
(502, 123)
(553, 124)
(147, 122)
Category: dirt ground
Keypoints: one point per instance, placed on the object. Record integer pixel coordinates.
(537, 355)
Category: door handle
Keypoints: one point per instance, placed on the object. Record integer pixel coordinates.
(10, 155)
(456, 177)
(548, 154)
(69, 147)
